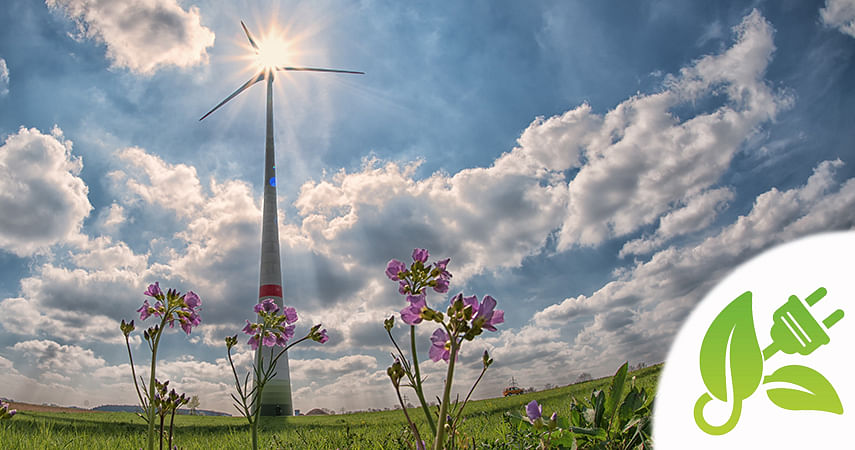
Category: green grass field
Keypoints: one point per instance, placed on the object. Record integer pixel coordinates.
(484, 426)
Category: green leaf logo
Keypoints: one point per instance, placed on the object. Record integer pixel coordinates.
(730, 356)
(817, 393)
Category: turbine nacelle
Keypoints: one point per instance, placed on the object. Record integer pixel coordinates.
(267, 60)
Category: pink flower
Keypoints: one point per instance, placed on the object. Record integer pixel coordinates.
(420, 254)
(269, 339)
(267, 305)
(440, 346)
(290, 314)
(249, 328)
(533, 410)
(154, 290)
(158, 309)
(323, 336)
(192, 300)
(412, 314)
(144, 310)
(490, 315)
(441, 285)
(253, 342)
(393, 268)
(441, 265)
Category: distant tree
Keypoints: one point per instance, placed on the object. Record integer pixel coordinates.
(638, 366)
(193, 404)
(584, 376)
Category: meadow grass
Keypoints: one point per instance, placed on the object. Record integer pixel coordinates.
(484, 425)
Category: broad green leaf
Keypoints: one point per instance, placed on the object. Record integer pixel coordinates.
(820, 395)
(599, 408)
(732, 331)
(576, 417)
(633, 401)
(562, 437)
(615, 393)
(597, 433)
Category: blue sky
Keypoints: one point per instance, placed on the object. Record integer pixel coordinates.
(594, 166)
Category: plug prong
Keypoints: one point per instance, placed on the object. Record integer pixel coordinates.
(833, 318)
(816, 296)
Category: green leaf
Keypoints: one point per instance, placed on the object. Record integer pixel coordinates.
(563, 437)
(732, 331)
(594, 432)
(633, 401)
(820, 395)
(576, 417)
(599, 408)
(615, 393)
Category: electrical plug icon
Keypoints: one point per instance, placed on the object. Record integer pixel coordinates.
(796, 330)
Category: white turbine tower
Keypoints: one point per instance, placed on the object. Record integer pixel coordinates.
(276, 398)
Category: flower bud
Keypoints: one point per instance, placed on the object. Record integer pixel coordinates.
(396, 372)
(486, 359)
(127, 327)
(231, 341)
(389, 323)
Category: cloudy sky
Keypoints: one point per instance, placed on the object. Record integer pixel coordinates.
(594, 166)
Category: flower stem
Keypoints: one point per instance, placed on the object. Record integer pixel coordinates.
(134, 374)
(460, 411)
(413, 427)
(417, 386)
(259, 386)
(151, 385)
(439, 442)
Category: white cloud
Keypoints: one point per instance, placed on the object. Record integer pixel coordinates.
(142, 36)
(637, 164)
(63, 359)
(839, 14)
(4, 77)
(173, 187)
(112, 218)
(641, 159)
(331, 369)
(636, 315)
(698, 213)
(83, 300)
(43, 199)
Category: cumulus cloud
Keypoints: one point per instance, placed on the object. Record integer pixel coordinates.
(142, 36)
(4, 77)
(483, 218)
(698, 213)
(43, 199)
(641, 159)
(633, 166)
(64, 359)
(665, 288)
(110, 219)
(175, 187)
(839, 14)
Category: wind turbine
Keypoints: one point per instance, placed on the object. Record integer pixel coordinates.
(276, 398)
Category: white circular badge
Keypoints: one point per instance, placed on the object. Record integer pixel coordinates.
(766, 358)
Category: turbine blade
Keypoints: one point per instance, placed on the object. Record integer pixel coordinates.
(249, 36)
(315, 69)
(246, 85)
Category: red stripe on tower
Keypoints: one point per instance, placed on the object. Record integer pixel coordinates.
(270, 290)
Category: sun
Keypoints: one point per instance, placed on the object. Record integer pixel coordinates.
(273, 52)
